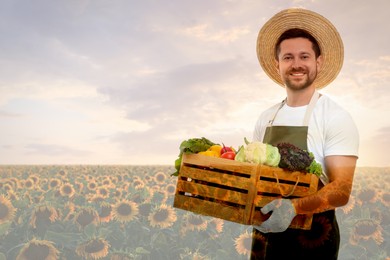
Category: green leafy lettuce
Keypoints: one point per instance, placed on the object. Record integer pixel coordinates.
(192, 145)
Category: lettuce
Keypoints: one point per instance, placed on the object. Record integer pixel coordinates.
(192, 145)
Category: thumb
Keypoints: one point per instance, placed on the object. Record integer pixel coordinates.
(268, 207)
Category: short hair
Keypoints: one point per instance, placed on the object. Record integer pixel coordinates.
(297, 33)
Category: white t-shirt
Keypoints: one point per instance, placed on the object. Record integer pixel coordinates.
(331, 131)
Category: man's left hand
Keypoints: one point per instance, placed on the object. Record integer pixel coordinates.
(283, 212)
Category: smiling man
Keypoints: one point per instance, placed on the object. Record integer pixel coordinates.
(303, 52)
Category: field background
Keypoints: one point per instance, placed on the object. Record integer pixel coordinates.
(125, 212)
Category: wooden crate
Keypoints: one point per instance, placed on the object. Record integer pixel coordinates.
(236, 191)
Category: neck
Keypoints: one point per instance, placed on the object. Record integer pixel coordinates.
(297, 98)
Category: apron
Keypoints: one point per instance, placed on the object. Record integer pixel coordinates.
(323, 239)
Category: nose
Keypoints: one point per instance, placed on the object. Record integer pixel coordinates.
(296, 63)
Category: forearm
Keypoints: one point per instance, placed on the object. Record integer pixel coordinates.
(335, 194)
(331, 196)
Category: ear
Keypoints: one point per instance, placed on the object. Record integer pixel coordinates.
(276, 62)
(319, 62)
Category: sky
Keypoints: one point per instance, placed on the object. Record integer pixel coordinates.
(125, 82)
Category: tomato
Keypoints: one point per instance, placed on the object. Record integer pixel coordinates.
(228, 155)
(226, 149)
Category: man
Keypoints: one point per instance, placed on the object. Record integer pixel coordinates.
(303, 52)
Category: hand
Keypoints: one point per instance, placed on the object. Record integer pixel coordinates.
(283, 212)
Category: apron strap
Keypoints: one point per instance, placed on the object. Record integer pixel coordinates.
(309, 109)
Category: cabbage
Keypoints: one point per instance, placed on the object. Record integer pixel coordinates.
(273, 156)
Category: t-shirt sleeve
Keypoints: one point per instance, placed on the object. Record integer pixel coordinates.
(342, 138)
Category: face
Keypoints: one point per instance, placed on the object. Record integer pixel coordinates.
(297, 63)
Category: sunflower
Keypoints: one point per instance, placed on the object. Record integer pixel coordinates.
(138, 184)
(105, 212)
(103, 191)
(38, 249)
(12, 196)
(34, 178)
(8, 187)
(170, 189)
(29, 184)
(365, 196)
(243, 243)
(92, 185)
(54, 183)
(148, 178)
(96, 248)
(217, 223)
(96, 198)
(7, 210)
(43, 215)
(86, 216)
(124, 211)
(319, 233)
(160, 177)
(62, 174)
(366, 229)
(385, 198)
(108, 183)
(67, 190)
(163, 216)
(195, 222)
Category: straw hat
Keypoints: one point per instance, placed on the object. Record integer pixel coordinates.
(319, 27)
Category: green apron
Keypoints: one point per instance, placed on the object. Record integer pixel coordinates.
(323, 239)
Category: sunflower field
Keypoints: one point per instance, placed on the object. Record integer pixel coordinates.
(125, 212)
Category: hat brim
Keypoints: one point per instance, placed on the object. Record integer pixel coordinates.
(328, 38)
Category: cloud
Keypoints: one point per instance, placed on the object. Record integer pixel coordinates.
(205, 33)
(201, 91)
(54, 150)
(6, 114)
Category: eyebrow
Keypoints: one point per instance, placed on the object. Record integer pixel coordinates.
(301, 53)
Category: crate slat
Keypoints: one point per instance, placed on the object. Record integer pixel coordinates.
(210, 208)
(207, 175)
(216, 193)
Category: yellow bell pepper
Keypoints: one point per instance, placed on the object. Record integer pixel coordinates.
(210, 153)
(216, 148)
